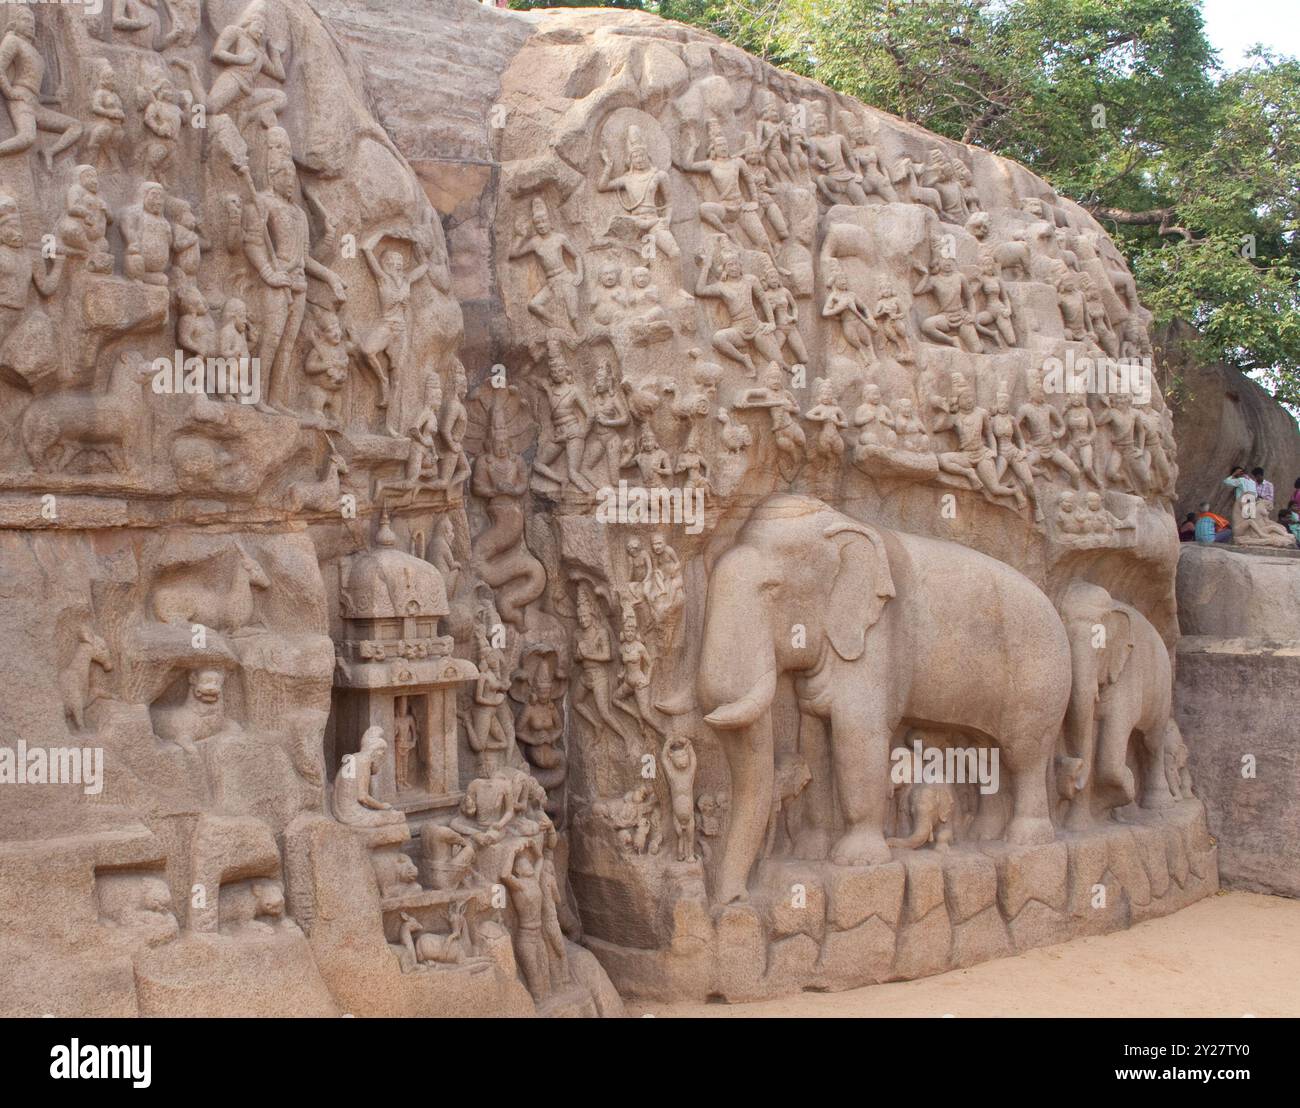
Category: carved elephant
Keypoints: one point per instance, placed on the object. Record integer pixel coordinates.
(1122, 686)
(881, 631)
(931, 809)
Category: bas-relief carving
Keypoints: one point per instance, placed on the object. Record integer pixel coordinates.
(881, 405)
(390, 621)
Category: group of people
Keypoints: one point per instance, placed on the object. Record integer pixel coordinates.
(1207, 526)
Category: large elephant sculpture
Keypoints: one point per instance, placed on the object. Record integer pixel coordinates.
(1122, 686)
(881, 631)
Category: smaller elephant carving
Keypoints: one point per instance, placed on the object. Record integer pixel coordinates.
(1121, 694)
(932, 809)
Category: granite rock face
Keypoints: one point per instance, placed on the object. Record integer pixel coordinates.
(524, 507)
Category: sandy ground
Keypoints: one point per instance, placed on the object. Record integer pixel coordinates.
(1228, 955)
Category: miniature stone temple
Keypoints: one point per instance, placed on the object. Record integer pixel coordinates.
(414, 509)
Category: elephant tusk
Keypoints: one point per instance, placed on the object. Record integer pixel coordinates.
(745, 711)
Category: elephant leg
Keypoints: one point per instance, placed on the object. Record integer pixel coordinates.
(814, 838)
(751, 757)
(1155, 782)
(1113, 775)
(1031, 821)
(860, 745)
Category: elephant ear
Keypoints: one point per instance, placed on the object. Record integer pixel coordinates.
(1119, 644)
(862, 585)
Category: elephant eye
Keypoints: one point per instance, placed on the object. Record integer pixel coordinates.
(769, 586)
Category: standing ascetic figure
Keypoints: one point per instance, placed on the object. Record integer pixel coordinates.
(884, 644)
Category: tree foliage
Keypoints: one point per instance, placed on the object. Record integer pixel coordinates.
(1119, 104)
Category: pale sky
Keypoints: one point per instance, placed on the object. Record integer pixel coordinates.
(1234, 26)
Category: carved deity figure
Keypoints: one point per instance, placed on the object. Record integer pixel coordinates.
(556, 303)
(1012, 453)
(570, 415)
(643, 193)
(891, 322)
(976, 459)
(994, 318)
(22, 70)
(83, 229)
(954, 323)
(739, 292)
(603, 458)
(845, 307)
(838, 180)
(1127, 462)
(737, 202)
(277, 245)
(1041, 429)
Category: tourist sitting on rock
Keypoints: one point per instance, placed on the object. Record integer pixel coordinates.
(1211, 527)
(1263, 488)
(1187, 529)
(1295, 495)
(1290, 519)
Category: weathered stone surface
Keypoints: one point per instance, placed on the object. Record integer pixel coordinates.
(377, 660)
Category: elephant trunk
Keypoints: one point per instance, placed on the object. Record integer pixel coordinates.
(753, 771)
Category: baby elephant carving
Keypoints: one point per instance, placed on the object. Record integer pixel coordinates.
(931, 808)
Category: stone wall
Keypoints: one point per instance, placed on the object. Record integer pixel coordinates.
(647, 450)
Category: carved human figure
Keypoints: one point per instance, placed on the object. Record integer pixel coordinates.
(556, 303)
(845, 307)
(354, 803)
(405, 741)
(787, 435)
(827, 444)
(643, 298)
(910, 428)
(385, 347)
(1073, 305)
(1081, 428)
(539, 730)
(978, 447)
(492, 725)
(781, 309)
(148, 236)
(875, 422)
(1156, 456)
(83, 228)
(570, 415)
(1068, 519)
(453, 463)
(196, 330)
(1041, 428)
(891, 323)
(202, 715)
(523, 881)
(636, 668)
(603, 458)
(643, 193)
(838, 180)
(773, 134)
(765, 190)
(107, 131)
(243, 52)
(1012, 453)
(162, 123)
(739, 292)
(994, 318)
(1098, 318)
(1127, 462)
(653, 465)
(592, 651)
(188, 242)
(679, 763)
(22, 70)
(867, 160)
(664, 588)
(277, 245)
(609, 298)
(940, 174)
(737, 202)
(326, 366)
(954, 323)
